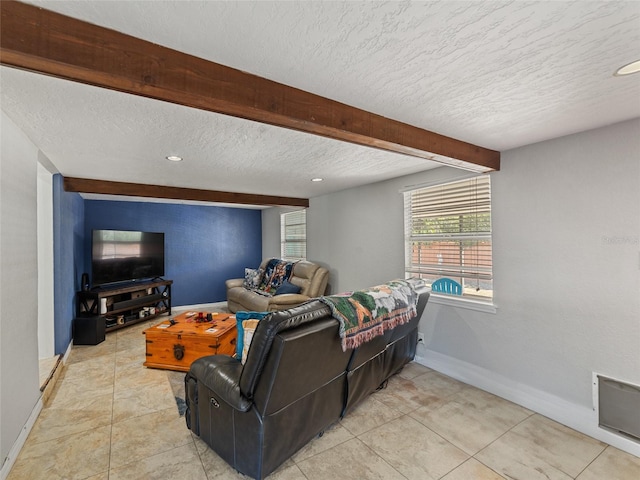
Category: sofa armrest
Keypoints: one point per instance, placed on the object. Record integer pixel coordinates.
(221, 375)
(287, 299)
(234, 282)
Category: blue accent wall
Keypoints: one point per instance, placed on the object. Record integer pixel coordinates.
(68, 260)
(204, 245)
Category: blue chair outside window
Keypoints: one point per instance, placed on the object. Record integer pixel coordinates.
(446, 285)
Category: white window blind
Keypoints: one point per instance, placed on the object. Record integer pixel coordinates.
(293, 235)
(448, 234)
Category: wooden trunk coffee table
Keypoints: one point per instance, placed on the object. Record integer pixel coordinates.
(175, 347)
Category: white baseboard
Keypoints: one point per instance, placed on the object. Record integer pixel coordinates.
(65, 357)
(22, 438)
(572, 415)
(26, 429)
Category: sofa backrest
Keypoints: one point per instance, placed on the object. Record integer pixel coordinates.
(265, 333)
(295, 351)
(378, 359)
(310, 277)
(301, 362)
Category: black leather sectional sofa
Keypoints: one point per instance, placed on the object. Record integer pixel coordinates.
(295, 383)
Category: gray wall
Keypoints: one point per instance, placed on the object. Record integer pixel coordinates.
(19, 389)
(45, 263)
(566, 221)
(359, 233)
(271, 232)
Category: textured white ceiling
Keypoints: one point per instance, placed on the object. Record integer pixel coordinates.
(496, 74)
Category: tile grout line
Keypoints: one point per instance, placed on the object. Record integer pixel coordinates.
(498, 438)
(113, 404)
(408, 415)
(120, 338)
(592, 461)
(195, 446)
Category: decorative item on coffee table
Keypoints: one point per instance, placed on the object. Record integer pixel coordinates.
(174, 344)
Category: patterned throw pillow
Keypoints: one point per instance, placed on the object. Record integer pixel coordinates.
(241, 316)
(252, 278)
(249, 327)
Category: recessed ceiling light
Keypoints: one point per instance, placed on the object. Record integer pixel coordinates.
(633, 67)
(317, 179)
(174, 158)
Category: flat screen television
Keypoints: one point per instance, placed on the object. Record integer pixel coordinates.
(125, 256)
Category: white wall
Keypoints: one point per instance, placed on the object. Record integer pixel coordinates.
(566, 221)
(19, 389)
(359, 233)
(46, 344)
(567, 264)
(271, 232)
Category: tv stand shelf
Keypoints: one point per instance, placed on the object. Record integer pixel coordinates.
(124, 303)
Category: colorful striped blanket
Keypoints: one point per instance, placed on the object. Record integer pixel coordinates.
(365, 314)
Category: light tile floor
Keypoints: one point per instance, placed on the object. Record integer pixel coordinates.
(111, 418)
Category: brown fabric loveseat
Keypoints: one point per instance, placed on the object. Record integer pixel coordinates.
(310, 277)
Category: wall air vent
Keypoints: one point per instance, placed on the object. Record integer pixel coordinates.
(619, 407)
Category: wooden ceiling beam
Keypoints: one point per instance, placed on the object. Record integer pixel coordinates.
(105, 187)
(49, 43)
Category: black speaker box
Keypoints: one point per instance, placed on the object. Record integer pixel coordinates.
(88, 330)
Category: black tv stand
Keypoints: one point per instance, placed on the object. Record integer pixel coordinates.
(126, 304)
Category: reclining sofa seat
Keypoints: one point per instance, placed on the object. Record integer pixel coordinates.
(310, 277)
(295, 383)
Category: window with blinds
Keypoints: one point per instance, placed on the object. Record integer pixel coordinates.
(293, 235)
(448, 235)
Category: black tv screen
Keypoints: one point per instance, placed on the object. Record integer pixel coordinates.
(122, 255)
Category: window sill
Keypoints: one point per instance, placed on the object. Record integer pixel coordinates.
(461, 302)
